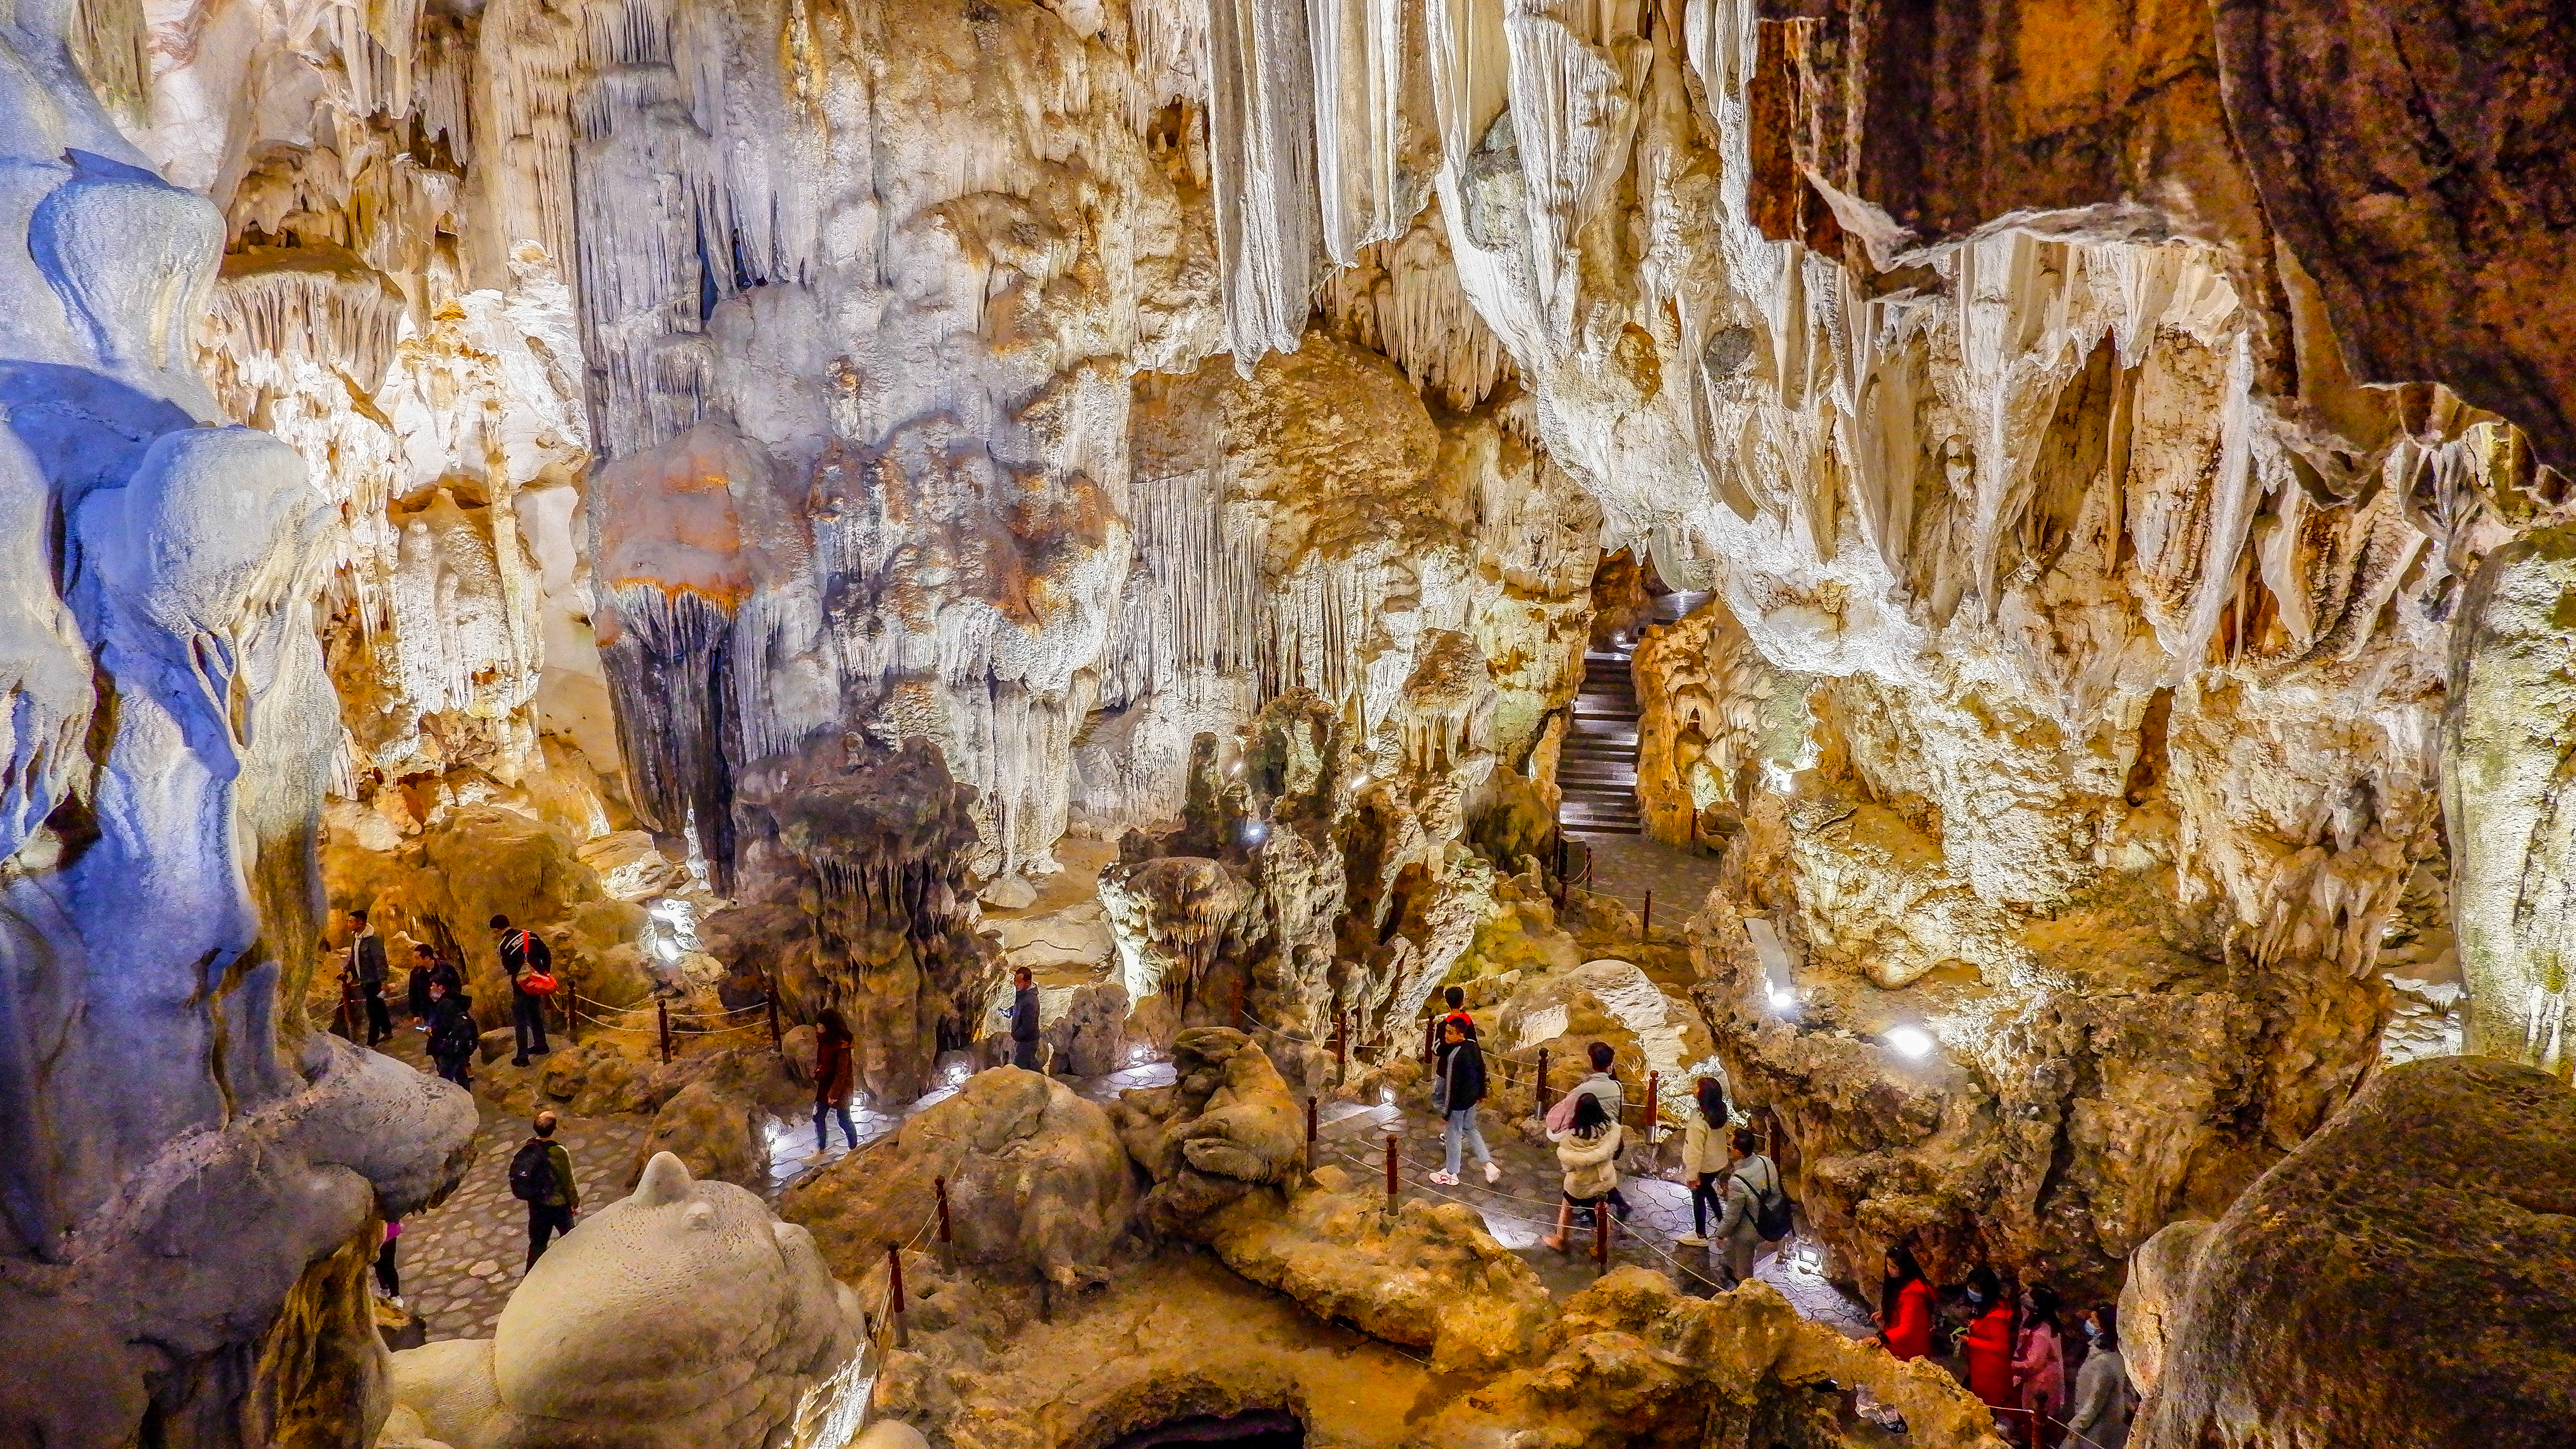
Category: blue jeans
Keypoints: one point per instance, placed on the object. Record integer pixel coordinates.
(822, 1137)
(1462, 1124)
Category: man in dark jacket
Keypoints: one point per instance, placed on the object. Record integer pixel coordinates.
(452, 1036)
(1024, 1020)
(424, 965)
(551, 1211)
(1460, 1086)
(522, 953)
(367, 964)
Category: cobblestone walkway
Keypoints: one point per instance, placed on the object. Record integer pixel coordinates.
(1628, 866)
(1521, 1209)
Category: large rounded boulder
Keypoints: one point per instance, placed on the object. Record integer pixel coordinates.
(2400, 1281)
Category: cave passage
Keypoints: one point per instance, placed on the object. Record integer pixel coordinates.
(1252, 1429)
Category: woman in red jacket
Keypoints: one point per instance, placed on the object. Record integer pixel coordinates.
(1989, 1345)
(832, 1074)
(1905, 1306)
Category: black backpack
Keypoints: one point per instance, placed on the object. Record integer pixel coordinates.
(1770, 1209)
(532, 1172)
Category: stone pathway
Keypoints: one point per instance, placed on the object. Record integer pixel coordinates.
(1521, 1209)
(1628, 866)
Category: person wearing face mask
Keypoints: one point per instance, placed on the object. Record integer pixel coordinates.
(1988, 1346)
(2101, 1413)
(2039, 1367)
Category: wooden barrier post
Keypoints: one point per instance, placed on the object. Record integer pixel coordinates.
(1341, 1046)
(1390, 1174)
(1646, 921)
(1654, 1088)
(894, 1297)
(662, 1011)
(1601, 1234)
(1310, 1134)
(348, 1009)
(1540, 1096)
(572, 1010)
(947, 1239)
(777, 1038)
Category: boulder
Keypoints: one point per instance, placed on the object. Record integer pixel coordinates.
(2157, 1273)
(1430, 1278)
(1037, 1181)
(715, 1133)
(1225, 1127)
(1090, 1038)
(2399, 1281)
(684, 1316)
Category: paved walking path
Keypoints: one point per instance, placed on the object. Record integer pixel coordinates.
(1521, 1209)
(1628, 866)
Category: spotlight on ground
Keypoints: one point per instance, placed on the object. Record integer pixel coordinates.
(1911, 1042)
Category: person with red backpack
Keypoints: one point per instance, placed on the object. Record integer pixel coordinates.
(541, 1176)
(530, 967)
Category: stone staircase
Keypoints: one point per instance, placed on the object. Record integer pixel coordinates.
(1597, 768)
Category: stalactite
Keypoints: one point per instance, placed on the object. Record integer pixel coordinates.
(667, 656)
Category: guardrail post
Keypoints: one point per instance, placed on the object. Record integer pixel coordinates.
(1646, 921)
(894, 1296)
(947, 1239)
(1341, 1046)
(1390, 1174)
(1310, 1133)
(662, 1012)
(1601, 1234)
(1540, 1097)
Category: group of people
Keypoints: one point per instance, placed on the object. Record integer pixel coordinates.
(436, 996)
(2017, 1354)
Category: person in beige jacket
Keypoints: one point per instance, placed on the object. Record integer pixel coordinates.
(1704, 1157)
(1588, 1150)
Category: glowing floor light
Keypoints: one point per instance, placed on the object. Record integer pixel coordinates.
(1910, 1042)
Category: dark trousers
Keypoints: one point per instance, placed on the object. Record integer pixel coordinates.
(822, 1139)
(528, 1022)
(453, 1069)
(388, 1277)
(1705, 1205)
(380, 1020)
(545, 1220)
(1024, 1054)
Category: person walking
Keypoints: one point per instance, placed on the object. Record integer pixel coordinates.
(1460, 1086)
(1588, 1151)
(1024, 1020)
(1988, 1346)
(1603, 1086)
(367, 963)
(452, 1033)
(389, 1277)
(1704, 1156)
(833, 1073)
(526, 960)
(1904, 1313)
(2100, 1417)
(424, 964)
(2039, 1367)
(541, 1176)
(1749, 1179)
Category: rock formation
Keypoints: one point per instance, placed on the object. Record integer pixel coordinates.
(683, 1315)
(2403, 1267)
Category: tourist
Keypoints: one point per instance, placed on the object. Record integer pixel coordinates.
(1988, 1346)
(1704, 1156)
(1603, 1086)
(2101, 1412)
(1456, 998)
(525, 959)
(1751, 1178)
(1024, 1020)
(1904, 1313)
(1461, 1085)
(1588, 1150)
(832, 1077)
(2039, 1366)
(424, 964)
(452, 1034)
(367, 963)
(388, 1277)
(541, 1176)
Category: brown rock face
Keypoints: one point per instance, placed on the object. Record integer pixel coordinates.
(2399, 1280)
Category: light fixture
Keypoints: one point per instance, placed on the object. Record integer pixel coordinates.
(1783, 999)
(1910, 1042)
(1254, 832)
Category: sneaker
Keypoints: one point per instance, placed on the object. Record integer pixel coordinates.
(1691, 1240)
(1445, 1179)
(1493, 1174)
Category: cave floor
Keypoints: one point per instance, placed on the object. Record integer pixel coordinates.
(1521, 1209)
